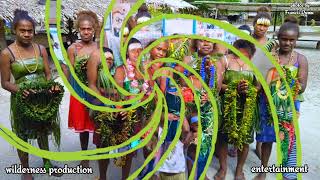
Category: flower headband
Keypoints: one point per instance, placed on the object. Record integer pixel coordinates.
(134, 46)
(142, 19)
(263, 21)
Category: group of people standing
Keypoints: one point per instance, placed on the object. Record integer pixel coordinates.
(242, 104)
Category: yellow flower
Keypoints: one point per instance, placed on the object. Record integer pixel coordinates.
(171, 46)
(280, 95)
(182, 51)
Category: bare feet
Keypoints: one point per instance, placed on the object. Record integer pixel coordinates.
(260, 176)
(240, 176)
(85, 163)
(26, 177)
(220, 175)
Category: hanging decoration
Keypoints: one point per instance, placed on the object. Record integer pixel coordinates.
(238, 128)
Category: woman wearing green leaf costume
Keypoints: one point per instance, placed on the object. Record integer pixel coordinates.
(157, 52)
(110, 127)
(87, 25)
(210, 71)
(239, 108)
(206, 121)
(129, 78)
(295, 67)
(32, 91)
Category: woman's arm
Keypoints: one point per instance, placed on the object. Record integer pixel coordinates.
(5, 68)
(119, 75)
(92, 74)
(163, 80)
(92, 71)
(220, 71)
(303, 73)
(71, 54)
(186, 134)
(186, 60)
(220, 74)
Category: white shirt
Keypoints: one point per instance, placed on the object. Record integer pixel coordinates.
(175, 162)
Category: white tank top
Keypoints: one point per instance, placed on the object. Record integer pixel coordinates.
(175, 162)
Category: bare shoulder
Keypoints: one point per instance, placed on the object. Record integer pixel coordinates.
(164, 72)
(96, 53)
(119, 74)
(222, 61)
(120, 69)
(94, 56)
(72, 47)
(302, 58)
(42, 48)
(187, 59)
(6, 55)
(5, 52)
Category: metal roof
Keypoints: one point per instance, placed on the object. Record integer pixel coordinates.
(250, 7)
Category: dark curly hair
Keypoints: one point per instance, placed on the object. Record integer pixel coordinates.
(106, 49)
(289, 26)
(291, 19)
(90, 16)
(143, 12)
(244, 44)
(20, 15)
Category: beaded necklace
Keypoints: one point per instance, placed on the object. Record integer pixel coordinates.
(20, 57)
(212, 69)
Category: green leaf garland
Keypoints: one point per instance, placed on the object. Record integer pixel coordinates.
(114, 131)
(80, 69)
(41, 106)
(179, 50)
(238, 131)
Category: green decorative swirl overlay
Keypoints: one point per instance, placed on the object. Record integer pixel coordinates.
(161, 106)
